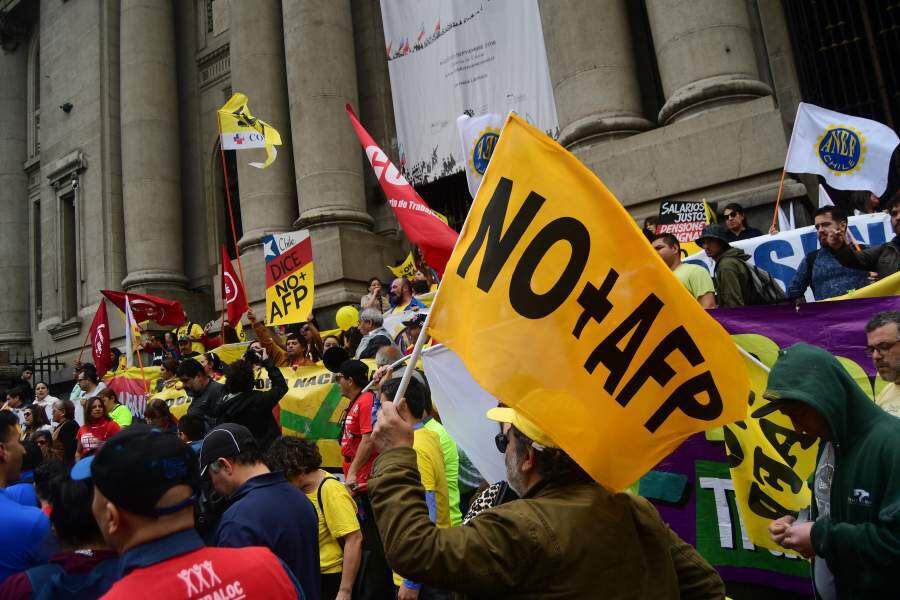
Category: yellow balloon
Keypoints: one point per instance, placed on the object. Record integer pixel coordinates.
(347, 317)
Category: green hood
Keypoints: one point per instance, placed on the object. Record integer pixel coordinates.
(735, 253)
(809, 374)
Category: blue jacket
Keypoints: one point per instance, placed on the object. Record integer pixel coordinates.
(268, 511)
(25, 537)
(829, 277)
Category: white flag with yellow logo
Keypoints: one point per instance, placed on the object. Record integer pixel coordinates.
(549, 267)
(851, 153)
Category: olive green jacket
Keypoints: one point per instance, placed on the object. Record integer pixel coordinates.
(560, 541)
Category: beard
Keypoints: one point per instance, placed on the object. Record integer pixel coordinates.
(514, 476)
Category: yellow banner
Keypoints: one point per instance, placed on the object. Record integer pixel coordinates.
(770, 462)
(406, 269)
(549, 266)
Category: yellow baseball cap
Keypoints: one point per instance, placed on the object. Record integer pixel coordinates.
(505, 414)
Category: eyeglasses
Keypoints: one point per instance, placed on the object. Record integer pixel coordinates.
(882, 348)
(502, 442)
(41, 442)
(730, 215)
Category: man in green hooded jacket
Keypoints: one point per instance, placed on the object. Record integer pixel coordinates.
(854, 526)
(734, 284)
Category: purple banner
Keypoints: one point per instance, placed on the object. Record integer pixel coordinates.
(838, 326)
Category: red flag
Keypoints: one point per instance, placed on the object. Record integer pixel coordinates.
(99, 336)
(232, 291)
(423, 228)
(149, 308)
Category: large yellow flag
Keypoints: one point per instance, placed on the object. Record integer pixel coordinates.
(240, 130)
(551, 269)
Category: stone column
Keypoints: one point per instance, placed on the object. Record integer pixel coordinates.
(14, 320)
(592, 68)
(704, 49)
(151, 157)
(268, 196)
(321, 76)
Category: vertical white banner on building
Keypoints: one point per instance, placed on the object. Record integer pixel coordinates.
(448, 57)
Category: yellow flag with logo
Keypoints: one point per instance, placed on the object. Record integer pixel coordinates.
(550, 268)
(406, 269)
(240, 130)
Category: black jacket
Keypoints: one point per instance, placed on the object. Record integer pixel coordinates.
(206, 403)
(253, 409)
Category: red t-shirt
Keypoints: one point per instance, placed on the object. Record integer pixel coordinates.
(91, 437)
(357, 424)
(226, 573)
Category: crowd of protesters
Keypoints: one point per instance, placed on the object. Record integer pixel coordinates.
(97, 501)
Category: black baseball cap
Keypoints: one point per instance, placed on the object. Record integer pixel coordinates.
(225, 441)
(137, 466)
(334, 357)
(355, 370)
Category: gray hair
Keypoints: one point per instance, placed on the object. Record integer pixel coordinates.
(371, 315)
(387, 355)
(883, 318)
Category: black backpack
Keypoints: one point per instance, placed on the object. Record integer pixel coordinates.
(765, 290)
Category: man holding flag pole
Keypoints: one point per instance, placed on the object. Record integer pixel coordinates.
(528, 288)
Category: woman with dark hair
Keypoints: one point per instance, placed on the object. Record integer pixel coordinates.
(43, 399)
(246, 406)
(376, 297)
(116, 356)
(213, 365)
(44, 440)
(85, 567)
(167, 376)
(352, 337)
(97, 428)
(340, 537)
(35, 420)
(65, 432)
(330, 341)
(158, 416)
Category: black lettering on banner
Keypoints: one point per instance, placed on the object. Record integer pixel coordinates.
(595, 302)
(684, 398)
(733, 448)
(498, 244)
(771, 472)
(521, 296)
(763, 505)
(608, 353)
(657, 368)
(772, 431)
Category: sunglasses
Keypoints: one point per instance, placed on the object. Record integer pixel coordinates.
(41, 442)
(502, 442)
(729, 215)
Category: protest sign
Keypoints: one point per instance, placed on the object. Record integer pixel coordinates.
(451, 57)
(683, 219)
(406, 269)
(780, 254)
(550, 266)
(289, 277)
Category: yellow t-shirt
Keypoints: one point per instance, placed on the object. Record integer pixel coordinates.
(889, 399)
(695, 278)
(191, 330)
(430, 460)
(338, 521)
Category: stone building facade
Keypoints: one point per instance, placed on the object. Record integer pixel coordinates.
(110, 176)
